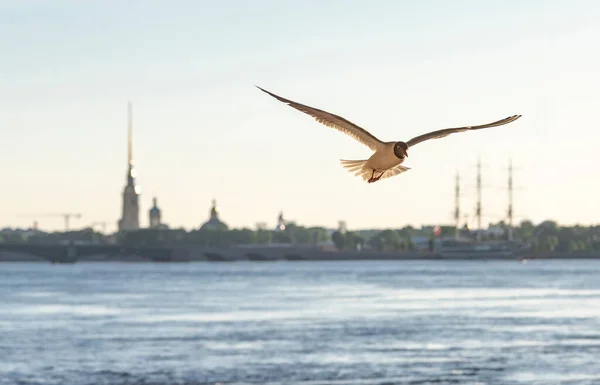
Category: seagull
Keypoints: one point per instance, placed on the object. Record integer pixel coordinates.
(387, 157)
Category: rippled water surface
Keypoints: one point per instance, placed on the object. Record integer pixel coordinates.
(441, 322)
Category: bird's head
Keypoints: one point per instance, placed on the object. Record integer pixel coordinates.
(401, 150)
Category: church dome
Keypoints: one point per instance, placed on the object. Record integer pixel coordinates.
(154, 214)
(154, 210)
(214, 222)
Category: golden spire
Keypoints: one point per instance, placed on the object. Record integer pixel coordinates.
(130, 134)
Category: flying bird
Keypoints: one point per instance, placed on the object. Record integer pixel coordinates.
(387, 157)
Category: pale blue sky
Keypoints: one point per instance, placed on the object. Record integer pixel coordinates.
(202, 130)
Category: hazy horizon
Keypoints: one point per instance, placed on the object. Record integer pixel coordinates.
(202, 130)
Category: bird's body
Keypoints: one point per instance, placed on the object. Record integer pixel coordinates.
(384, 159)
(387, 157)
(382, 164)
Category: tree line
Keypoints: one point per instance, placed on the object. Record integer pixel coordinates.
(547, 236)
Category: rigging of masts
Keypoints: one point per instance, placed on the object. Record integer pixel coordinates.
(507, 218)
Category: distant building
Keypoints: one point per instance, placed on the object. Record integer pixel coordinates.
(154, 215)
(17, 235)
(421, 242)
(495, 231)
(130, 214)
(261, 226)
(214, 222)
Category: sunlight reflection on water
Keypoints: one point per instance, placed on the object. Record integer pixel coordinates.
(300, 323)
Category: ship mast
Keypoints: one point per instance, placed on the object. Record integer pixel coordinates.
(478, 207)
(457, 207)
(510, 200)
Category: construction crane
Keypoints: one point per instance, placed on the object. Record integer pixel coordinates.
(66, 216)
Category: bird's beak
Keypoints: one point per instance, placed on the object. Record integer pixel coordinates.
(406, 154)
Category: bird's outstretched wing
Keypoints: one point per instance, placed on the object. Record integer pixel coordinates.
(447, 131)
(334, 121)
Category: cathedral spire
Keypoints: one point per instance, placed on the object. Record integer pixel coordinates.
(131, 172)
(130, 218)
(129, 134)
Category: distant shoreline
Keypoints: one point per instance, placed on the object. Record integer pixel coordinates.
(233, 255)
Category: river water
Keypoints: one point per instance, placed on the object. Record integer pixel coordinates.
(311, 323)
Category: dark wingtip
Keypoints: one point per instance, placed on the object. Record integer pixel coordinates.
(273, 95)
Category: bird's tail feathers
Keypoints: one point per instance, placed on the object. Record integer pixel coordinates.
(358, 168)
(353, 165)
